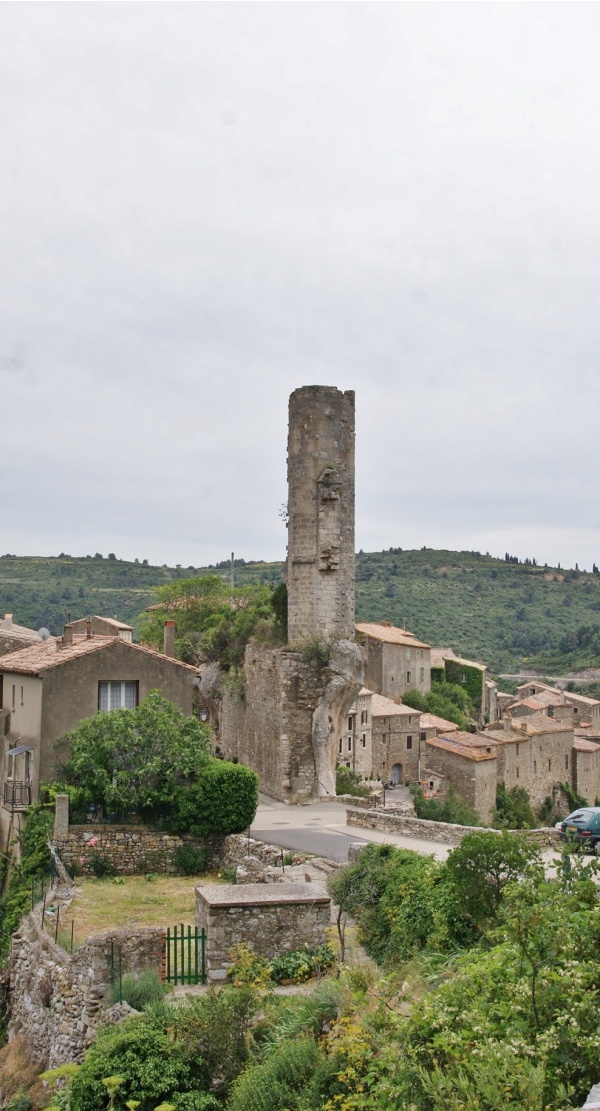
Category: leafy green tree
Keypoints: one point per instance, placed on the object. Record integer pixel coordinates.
(450, 809)
(222, 800)
(480, 868)
(447, 700)
(213, 622)
(137, 759)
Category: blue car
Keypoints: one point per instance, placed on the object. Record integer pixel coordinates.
(583, 828)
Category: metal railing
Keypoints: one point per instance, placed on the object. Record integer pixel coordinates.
(17, 795)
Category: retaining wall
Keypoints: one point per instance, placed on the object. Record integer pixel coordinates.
(434, 831)
(133, 849)
(58, 1000)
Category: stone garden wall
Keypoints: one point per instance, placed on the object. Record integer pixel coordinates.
(58, 1000)
(133, 849)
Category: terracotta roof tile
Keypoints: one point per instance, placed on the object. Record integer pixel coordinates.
(432, 721)
(466, 751)
(389, 634)
(49, 654)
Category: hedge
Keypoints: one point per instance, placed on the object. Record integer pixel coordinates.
(223, 800)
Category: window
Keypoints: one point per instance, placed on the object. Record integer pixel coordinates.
(566, 762)
(421, 654)
(14, 696)
(535, 767)
(575, 710)
(350, 722)
(517, 773)
(117, 696)
(408, 677)
(347, 763)
(422, 675)
(408, 653)
(549, 765)
(22, 695)
(363, 740)
(409, 742)
(349, 744)
(517, 749)
(364, 717)
(341, 745)
(532, 690)
(463, 676)
(422, 736)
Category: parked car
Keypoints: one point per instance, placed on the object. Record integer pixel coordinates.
(583, 828)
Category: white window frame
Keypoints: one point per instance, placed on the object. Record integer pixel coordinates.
(117, 694)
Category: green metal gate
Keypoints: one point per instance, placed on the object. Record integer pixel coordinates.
(185, 956)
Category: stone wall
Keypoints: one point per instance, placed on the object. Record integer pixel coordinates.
(285, 727)
(133, 849)
(445, 832)
(58, 1000)
(271, 918)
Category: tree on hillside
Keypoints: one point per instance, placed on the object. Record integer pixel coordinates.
(447, 700)
(213, 622)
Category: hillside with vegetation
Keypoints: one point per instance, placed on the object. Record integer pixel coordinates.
(506, 613)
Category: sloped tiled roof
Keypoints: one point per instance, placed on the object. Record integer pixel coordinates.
(389, 634)
(450, 743)
(49, 654)
(432, 721)
(382, 707)
(539, 723)
(581, 744)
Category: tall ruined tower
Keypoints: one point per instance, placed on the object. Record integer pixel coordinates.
(320, 560)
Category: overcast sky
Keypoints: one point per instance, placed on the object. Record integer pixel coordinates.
(206, 205)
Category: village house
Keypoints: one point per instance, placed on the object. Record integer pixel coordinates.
(395, 661)
(382, 739)
(469, 762)
(535, 752)
(48, 688)
(586, 769)
(447, 667)
(13, 637)
(583, 708)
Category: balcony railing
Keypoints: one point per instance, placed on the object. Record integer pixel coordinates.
(17, 796)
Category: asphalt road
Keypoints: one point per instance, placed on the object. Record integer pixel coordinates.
(321, 842)
(320, 828)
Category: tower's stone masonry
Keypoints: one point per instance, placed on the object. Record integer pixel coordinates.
(286, 721)
(320, 561)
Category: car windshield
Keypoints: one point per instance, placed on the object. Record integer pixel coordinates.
(580, 816)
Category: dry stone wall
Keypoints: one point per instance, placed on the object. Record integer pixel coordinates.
(445, 832)
(133, 849)
(59, 1000)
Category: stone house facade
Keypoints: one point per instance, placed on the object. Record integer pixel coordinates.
(47, 689)
(535, 752)
(395, 661)
(381, 739)
(586, 769)
(14, 637)
(469, 762)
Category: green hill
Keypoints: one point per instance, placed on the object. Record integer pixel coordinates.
(504, 613)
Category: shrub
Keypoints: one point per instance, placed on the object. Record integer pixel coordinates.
(100, 865)
(451, 809)
(279, 1083)
(139, 990)
(348, 782)
(190, 860)
(301, 964)
(513, 809)
(223, 800)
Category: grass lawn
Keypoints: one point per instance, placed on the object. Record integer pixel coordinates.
(103, 904)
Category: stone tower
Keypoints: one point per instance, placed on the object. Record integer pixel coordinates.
(320, 559)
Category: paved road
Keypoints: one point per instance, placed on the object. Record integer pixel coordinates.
(320, 828)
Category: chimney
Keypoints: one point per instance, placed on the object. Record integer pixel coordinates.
(8, 620)
(169, 639)
(562, 696)
(67, 637)
(88, 629)
(507, 722)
